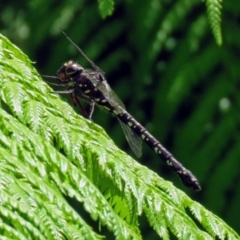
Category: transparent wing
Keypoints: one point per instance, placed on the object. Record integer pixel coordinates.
(134, 141)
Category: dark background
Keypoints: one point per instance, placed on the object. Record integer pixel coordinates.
(162, 60)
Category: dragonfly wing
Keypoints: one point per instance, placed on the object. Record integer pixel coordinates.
(115, 99)
(134, 141)
(103, 86)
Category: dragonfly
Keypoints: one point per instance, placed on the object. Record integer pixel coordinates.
(92, 86)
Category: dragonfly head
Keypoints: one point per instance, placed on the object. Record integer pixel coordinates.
(68, 70)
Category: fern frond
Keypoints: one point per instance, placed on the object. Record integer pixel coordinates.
(106, 7)
(214, 14)
(14, 95)
(19, 222)
(41, 192)
(211, 222)
(11, 232)
(68, 180)
(34, 114)
(77, 159)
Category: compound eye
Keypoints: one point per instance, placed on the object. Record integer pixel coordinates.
(72, 69)
(61, 73)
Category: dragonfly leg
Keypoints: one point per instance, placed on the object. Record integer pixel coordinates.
(76, 100)
(56, 84)
(53, 77)
(69, 91)
(92, 107)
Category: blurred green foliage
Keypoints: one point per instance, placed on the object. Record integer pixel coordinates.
(162, 60)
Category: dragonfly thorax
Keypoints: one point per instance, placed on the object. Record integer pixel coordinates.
(68, 70)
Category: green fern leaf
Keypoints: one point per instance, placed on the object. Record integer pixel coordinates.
(106, 7)
(214, 15)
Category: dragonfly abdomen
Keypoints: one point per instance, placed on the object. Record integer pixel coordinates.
(186, 176)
